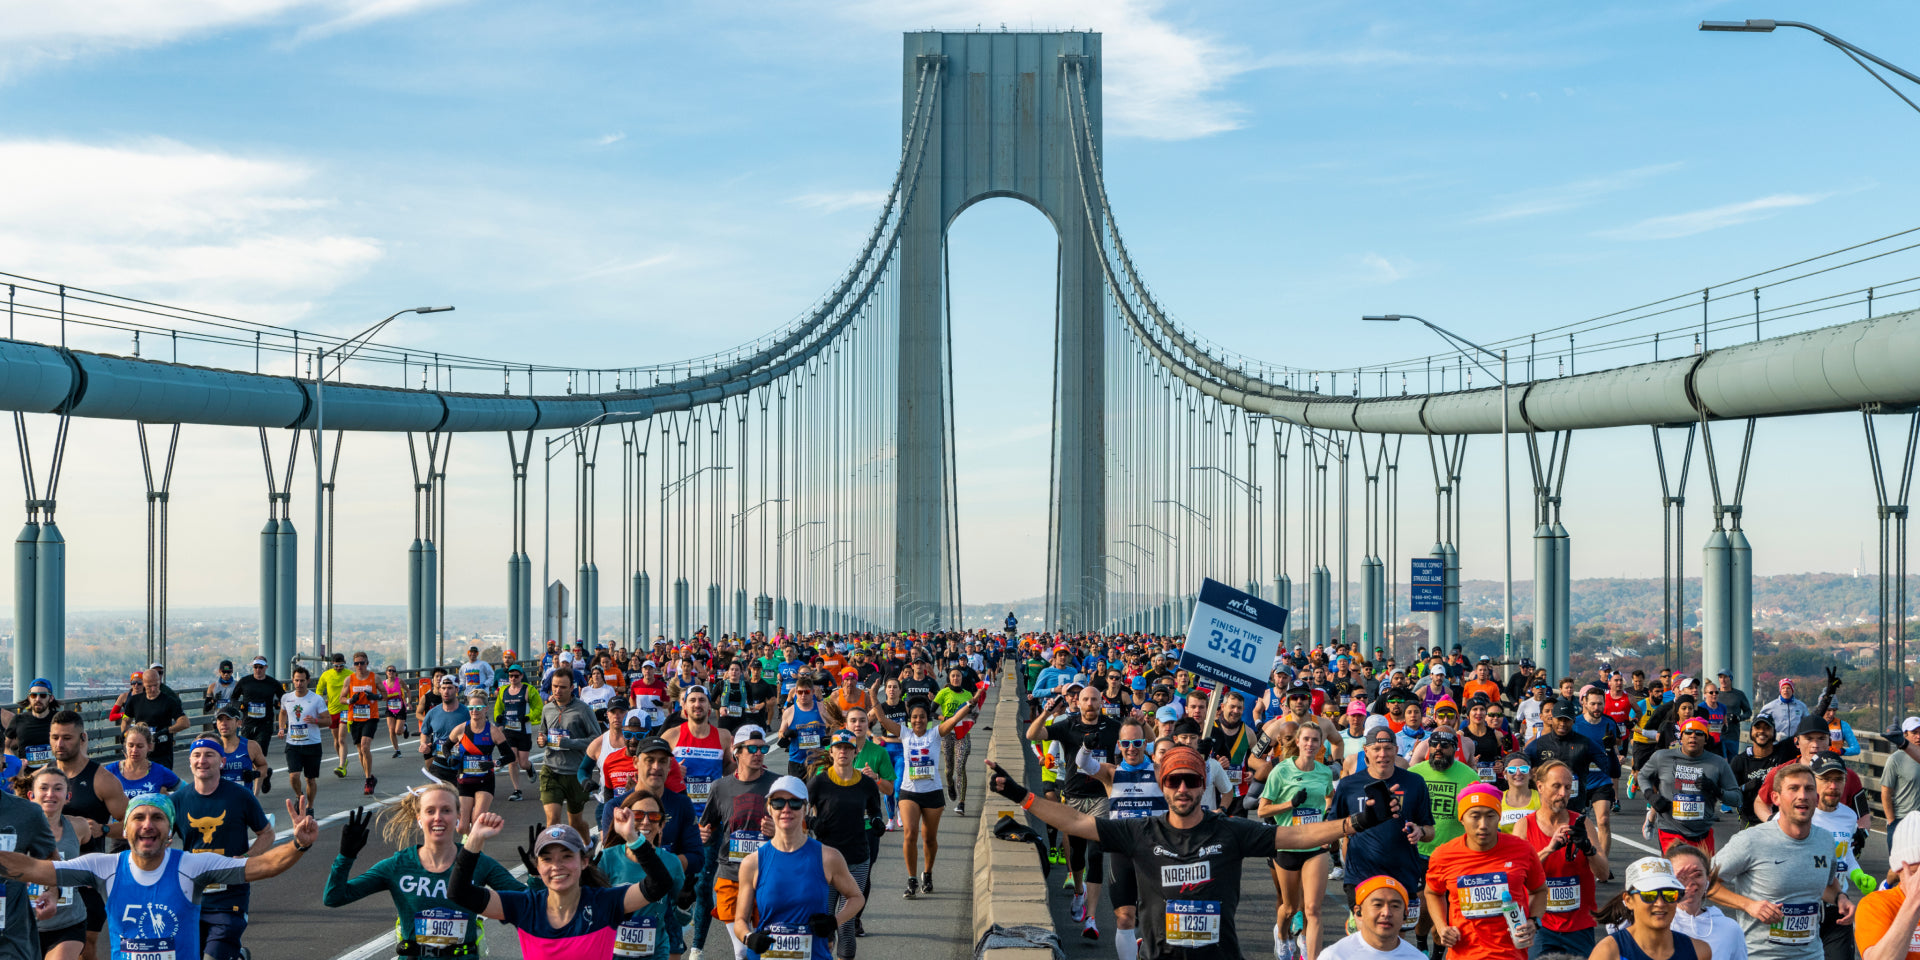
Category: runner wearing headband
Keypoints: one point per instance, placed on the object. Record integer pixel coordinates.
(1472, 877)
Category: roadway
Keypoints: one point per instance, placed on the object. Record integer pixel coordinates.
(288, 922)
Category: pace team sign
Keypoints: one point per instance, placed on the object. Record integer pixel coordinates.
(1234, 637)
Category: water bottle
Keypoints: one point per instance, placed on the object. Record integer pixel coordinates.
(1515, 919)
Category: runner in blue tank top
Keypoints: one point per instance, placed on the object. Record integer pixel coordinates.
(787, 886)
(802, 729)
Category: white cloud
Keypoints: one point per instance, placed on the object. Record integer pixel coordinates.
(160, 218)
(834, 201)
(32, 31)
(1713, 218)
(1379, 269)
(609, 139)
(1161, 81)
(1568, 196)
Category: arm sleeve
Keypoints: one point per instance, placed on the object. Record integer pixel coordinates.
(462, 891)
(342, 889)
(1853, 743)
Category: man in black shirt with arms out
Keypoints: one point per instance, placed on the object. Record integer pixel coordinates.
(1088, 727)
(1187, 860)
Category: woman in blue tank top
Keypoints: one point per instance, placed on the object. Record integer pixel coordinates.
(787, 886)
(1652, 899)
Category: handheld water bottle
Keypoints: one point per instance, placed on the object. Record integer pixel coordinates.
(1516, 920)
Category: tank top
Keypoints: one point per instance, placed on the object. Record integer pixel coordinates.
(513, 709)
(617, 770)
(1569, 880)
(1510, 815)
(896, 712)
(83, 802)
(1482, 752)
(157, 920)
(922, 753)
(1135, 793)
(395, 694)
(808, 733)
(236, 762)
(223, 692)
(32, 732)
(1618, 708)
(474, 754)
(861, 699)
(1630, 949)
(701, 758)
(789, 888)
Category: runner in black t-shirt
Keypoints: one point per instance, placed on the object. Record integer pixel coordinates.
(1187, 861)
(1089, 727)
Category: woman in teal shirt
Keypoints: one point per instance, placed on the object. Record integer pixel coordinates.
(638, 822)
(1296, 792)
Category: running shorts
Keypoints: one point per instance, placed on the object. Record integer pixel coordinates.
(303, 759)
(1605, 792)
(563, 788)
(484, 785)
(927, 799)
(1122, 885)
(363, 729)
(520, 740)
(1295, 859)
(726, 897)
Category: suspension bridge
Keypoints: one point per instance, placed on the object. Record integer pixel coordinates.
(806, 481)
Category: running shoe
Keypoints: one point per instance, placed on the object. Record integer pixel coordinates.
(859, 927)
(368, 789)
(340, 771)
(514, 796)
(396, 753)
(1079, 909)
(373, 782)
(913, 890)
(697, 953)
(1092, 930)
(1337, 873)
(266, 781)
(1066, 882)
(926, 882)
(960, 809)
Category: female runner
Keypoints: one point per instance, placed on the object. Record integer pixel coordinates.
(61, 915)
(922, 797)
(788, 884)
(893, 711)
(138, 775)
(1652, 898)
(393, 698)
(1296, 792)
(470, 749)
(638, 821)
(575, 912)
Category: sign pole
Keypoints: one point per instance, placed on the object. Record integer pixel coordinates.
(1213, 706)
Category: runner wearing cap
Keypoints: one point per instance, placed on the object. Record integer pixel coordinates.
(1787, 711)
(1559, 742)
(1900, 780)
(220, 816)
(258, 696)
(1884, 925)
(516, 708)
(1565, 842)
(1752, 765)
(732, 827)
(1379, 914)
(1187, 861)
(332, 685)
(1388, 847)
(1833, 820)
(1470, 877)
(243, 761)
(1652, 898)
(790, 885)
(392, 692)
(1684, 786)
(423, 827)
(153, 893)
(574, 912)
(1811, 741)
(1778, 874)
(476, 674)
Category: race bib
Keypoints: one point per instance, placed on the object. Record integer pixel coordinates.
(1486, 773)
(157, 949)
(635, 938)
(1563, 894)
(699, 790)
(809, 739)
(1796, 926)
(39, 755)
(473, 766)
(1413, 914)
(513, 723)
(362, 711)
(1183, 874)
(396, 705)
(733, 710)
(919, 768)
(256, 711)
(1480, 894)
(739, 845)
(440, 927)
(64, 900)
(1689, 807)
(1193, 923)
(555, 736)
(298, 731)
(790, 942)
(1305, 815)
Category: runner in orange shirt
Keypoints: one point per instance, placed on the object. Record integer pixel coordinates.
(1467, 875)
(361, 696)
(1886, 924)
(1482, 683)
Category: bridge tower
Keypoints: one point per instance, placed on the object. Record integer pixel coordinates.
(1000, 128)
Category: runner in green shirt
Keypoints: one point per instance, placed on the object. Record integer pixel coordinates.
(1296, 793)
(1445, 779)
(416, 876)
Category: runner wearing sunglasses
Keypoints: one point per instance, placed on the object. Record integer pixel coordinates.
(1133, 792)
(1186, 862)
(393, 700)
(731, 825)
(637, 824)
(787, 885)
(1652, 898)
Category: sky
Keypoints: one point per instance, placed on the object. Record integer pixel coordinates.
(595, 182)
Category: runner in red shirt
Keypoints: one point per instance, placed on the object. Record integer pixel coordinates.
(1467, 874)
(1565, 842)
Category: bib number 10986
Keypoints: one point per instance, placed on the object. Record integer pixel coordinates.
(1232, 646)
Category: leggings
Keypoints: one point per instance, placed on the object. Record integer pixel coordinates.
(860, 872)
(954, 752)
(892, 800)
(1087, 853)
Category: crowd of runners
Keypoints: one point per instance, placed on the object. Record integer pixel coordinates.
(744, 786)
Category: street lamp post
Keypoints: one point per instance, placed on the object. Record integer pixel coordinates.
(344, 350)
(1506, 472)
(1854, 53)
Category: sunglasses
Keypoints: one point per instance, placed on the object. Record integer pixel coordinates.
(648, 816)
(1655, 896)
(359, 663)
(1132, 744)
(755, 748)
(1184, 781)
(633, 734)
(786, 803)
(39, 696)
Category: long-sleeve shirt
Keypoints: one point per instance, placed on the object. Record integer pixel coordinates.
(1051, 680)
(566, 732)
(418, 893)
(621, 868)
(1694, 786)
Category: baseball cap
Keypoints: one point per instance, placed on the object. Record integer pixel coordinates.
(1356, 709)
(1167, 714)
(1437, 670)
(792, 786)
(845, 737)
(1377, 722)
(746, 734)
(1910, 724)
(1382, 734)
(1565, 708)
(1824, 765)
(561, 835)
(653, 745)
(259, 661)
(1813, 727)
(227, 711)
(1763, 718)
(1652, 873)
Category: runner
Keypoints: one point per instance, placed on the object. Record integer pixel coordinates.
(637, 823)
(393, 701)
(1087, 727)
(567, 729)
(1696, 917)
(476, 675)
(332, 685)
(156, 707)
(803, 730)
(1389, 846)
(1598, 786)
(423, 827)
(1297, 791)
(242, 761)
(301, 713)
(469, 750)
(1684, 788)
(789, 885)
(516, 708)
(93, 793)
(1190, 852)
(732, 826)
(1652, 894)
(1777, 875)
(703, 750)
(921, 794)
(573, 912)
(259, 698)
(26, 823)
(955, 747)
(136, 775)
(60, 915)
(216, 815)
(1566, 844)
(846, 806)
(30, 723)
(1884, 924)
(160, 918)
(1470, 878)
(1381, 912)
(1752, 766)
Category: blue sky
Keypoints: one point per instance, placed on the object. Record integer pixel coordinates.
(646, 182)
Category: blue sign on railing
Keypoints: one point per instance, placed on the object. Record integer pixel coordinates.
(1428, 584)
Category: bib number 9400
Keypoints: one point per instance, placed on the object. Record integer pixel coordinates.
(1234, 647)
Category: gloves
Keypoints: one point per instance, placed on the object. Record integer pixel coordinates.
(526, 852)
(1581, 841)
(1003, 783)
(353, 836)
(658, 883)
(1863, 881)
(1833, 680)
(1663, 805)
(1261, 743)
(758, 941)
(1084, 762)
(1299, 797)
(1377, 809)
(822, 925)
(685, 900)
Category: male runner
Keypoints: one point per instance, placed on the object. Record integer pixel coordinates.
(1684, 787)
(1600, 730)
(1777, 875)
(243, 761)
(301, 713)
(215, 816)
(1751, 766)
(567, 728)
(516, 708)
(160, 710)
(360, 695)
(258, 696)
